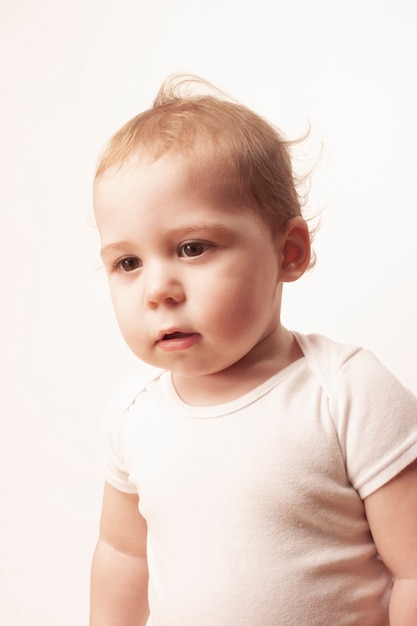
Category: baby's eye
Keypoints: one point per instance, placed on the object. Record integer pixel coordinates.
(128, 264)
(193, 248)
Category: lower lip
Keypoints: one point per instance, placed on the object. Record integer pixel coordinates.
(178, 343)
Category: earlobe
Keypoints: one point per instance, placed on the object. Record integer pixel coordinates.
(296, 250)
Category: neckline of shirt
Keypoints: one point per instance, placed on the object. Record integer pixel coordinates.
(226, 408)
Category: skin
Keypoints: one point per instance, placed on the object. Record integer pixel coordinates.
(184, 260)
(196, 283)
(392, 517)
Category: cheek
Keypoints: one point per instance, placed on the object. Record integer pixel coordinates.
(126, 313)
(118, 306)
(243, 299)
(231, 307)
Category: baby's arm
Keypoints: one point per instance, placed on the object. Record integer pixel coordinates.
(119, 573)
(392, 517)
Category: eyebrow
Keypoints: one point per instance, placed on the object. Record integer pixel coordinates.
(182, 231)
(118, 245)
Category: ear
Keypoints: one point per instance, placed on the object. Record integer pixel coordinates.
(295, 250)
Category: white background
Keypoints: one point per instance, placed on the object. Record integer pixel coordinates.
(71, 74)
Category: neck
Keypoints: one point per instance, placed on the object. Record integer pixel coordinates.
(271, 355)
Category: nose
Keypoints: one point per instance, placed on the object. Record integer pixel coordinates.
(163, 285)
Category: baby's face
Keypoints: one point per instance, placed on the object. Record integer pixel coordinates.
(194, 279)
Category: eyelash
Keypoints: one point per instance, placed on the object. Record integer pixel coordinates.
(197, 248)
(202, 247)
(118, 265)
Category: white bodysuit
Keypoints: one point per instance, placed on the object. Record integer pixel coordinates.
(255, 507)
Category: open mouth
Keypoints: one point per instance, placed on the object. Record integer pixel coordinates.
(177, 340)
(176, 335)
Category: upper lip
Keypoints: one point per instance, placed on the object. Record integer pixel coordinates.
(170, 332)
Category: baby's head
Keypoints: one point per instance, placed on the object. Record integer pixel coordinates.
(246, 157)
(200, 225)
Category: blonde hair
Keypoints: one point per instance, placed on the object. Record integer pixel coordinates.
(250, 157)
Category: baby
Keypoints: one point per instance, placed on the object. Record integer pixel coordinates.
(255, 476)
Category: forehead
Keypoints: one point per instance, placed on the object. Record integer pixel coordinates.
(172, 175)
(163, 196)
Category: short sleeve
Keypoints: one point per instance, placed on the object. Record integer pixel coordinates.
(376, 420)
(112, 438)
(111, 446)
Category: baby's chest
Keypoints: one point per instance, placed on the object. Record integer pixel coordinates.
(245, 463)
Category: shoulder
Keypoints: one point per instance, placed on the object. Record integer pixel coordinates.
(327, 358)
(113, 430)
(350, 374)
(374, 415)
(129, 391)
(337, 364)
